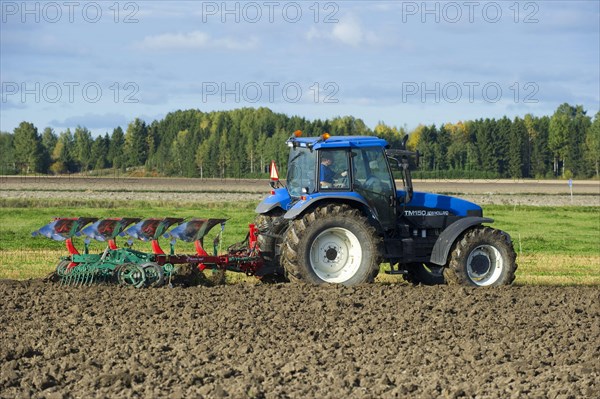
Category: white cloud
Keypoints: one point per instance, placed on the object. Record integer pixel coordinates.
(348, 31)
(192, 41)
(314, 33)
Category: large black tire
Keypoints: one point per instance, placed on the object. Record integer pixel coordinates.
(426, 274)
(482, 256)
(332, 244)
(271, 227)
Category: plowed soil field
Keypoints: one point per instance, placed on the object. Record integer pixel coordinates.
(287, 340)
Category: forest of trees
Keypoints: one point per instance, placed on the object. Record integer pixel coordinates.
(242, 142)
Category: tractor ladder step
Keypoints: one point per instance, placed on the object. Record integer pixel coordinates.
(396, 272)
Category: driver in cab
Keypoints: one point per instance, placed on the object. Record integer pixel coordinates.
(326, 173)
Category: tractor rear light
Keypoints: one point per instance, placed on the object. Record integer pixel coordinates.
(272, 192)
(303, 198)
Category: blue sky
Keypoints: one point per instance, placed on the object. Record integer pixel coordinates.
(102, 64)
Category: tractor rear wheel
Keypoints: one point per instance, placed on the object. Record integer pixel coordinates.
(271, 228)
(332, 244)
(482, 257)
(424, 273)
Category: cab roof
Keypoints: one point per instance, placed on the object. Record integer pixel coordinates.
(338, 142)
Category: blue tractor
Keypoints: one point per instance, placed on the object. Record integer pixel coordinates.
(340, 215)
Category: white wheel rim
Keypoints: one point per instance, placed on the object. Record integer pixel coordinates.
(335, 255)
(485, 265)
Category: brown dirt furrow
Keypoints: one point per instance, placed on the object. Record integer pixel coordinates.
(296, 341)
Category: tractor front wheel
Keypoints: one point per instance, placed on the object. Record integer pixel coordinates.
(332, 244)
(482, 257)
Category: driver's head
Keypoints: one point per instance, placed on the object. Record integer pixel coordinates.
(326, 159)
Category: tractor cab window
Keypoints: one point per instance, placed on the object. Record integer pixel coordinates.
(301, 171)
(333, 170)
(371, 170)
(372, 179)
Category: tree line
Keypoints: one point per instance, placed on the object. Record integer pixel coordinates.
(242, 142)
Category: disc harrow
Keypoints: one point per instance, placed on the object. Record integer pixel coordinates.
(130, 267)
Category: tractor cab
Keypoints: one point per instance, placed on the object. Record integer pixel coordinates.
(346, 168)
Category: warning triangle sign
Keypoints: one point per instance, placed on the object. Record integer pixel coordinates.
(274, 173)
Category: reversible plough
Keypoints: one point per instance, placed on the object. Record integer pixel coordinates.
(130, 267)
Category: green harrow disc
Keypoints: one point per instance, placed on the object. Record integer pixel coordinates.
(132, 275)
(154, 274)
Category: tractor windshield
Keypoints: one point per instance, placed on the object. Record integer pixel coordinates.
(301, 171)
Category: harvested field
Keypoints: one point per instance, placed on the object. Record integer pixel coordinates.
(296, 341)
(503, 192)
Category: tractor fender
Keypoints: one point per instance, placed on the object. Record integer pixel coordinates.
(265, 207)
(301, 206)
(444, 243)
(279, 199)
